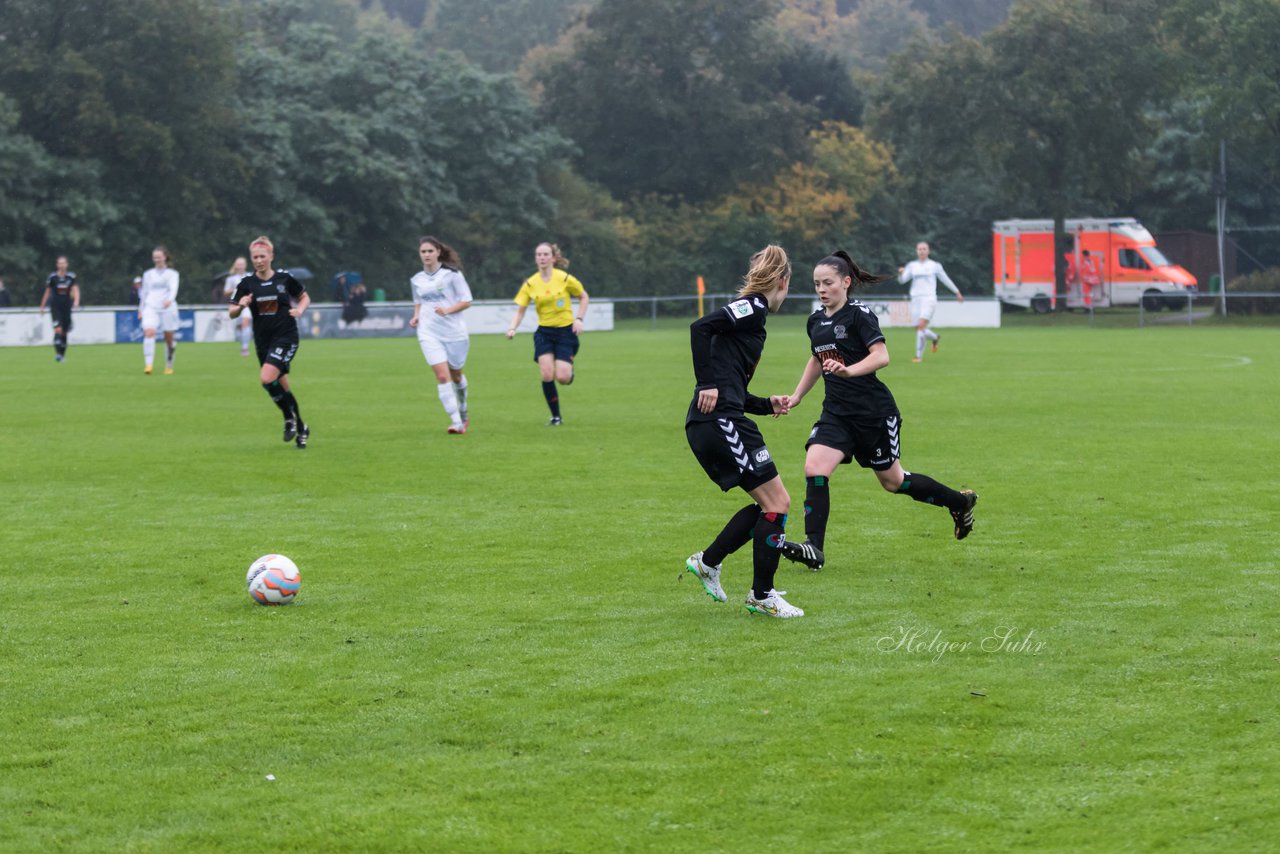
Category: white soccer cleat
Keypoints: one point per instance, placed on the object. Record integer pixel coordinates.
(708, 575)
(772, 605)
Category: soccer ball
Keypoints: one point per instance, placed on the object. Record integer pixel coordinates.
(273, 580)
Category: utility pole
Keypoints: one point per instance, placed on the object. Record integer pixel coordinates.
(1221, 186)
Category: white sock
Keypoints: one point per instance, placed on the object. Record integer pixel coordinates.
(919, 344)
(460, 390)
(148, 350)
(931, 335)
(449, 401)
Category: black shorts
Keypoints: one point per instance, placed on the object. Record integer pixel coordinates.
(558, 340)
(61, 316)
(874, 443)
(278, 352)
(732, 452)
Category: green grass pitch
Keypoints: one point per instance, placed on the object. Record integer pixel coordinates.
(495, 649)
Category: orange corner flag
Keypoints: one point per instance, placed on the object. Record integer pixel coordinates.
(702, 286)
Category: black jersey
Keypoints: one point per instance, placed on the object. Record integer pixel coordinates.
(727, 345)
(272, 300)
(60, 287)
(847, 336)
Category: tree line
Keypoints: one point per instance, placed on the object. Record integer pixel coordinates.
(653, 141)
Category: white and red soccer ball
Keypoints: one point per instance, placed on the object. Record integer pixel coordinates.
(273, 580)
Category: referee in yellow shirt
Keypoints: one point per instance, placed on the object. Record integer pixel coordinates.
(555, 343)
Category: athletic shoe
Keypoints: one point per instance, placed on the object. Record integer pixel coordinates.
(933, 345)
(58, 358)
(304, 432)
(806, 553)
(917, 359)
(244, 351)
(772, 605)
(457, 429)
(964, 518)
(555, 421)
(168, 370)
(708, 575)
(290, 429)
(147, 369)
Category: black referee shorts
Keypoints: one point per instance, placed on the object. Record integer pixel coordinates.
(558, 340)
(732, 452)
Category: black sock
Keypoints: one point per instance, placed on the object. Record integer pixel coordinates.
(553, 399)
(279, 397)
(293, 406)
(60, 343)
(817, 507)
(766, 549)
(921, 487)
(735, 535)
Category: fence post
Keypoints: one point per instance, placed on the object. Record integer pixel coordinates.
(653, 317)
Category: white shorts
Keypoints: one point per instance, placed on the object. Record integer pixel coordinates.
(437, 351)
(164, 319)
(922, 308)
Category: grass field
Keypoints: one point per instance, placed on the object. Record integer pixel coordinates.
(494, 649)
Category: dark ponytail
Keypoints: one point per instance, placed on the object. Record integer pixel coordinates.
(840, 261)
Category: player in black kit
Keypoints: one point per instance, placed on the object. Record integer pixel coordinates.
(860, 419)
(61, 295)
(727, 345)
(276, 300)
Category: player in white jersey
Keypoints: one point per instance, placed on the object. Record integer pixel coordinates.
(440, 295)
(239, 269)
(158, 309)
(923, 274)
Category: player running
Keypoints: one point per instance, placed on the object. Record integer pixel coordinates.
(276, 300)
(860, 419)
(923, 275)
(62, 296)
(556, 342)
(727, 345)
(442, 333)
(158, 309)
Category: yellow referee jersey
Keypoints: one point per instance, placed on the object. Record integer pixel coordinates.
(551, 299)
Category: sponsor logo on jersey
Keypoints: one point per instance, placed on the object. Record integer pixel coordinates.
(740, 308)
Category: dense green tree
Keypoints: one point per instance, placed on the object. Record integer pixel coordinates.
(355, 150)
(974, 17)
(497, 34)
(138, 87)
(48, 206)
(1230, 79)
(1048, 116)
(675, 97)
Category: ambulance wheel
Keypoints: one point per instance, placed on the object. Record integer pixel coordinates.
(1175, 303)
(1152, 300)
(1040, 304)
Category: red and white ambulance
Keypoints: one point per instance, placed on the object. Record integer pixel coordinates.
(1109, 262)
